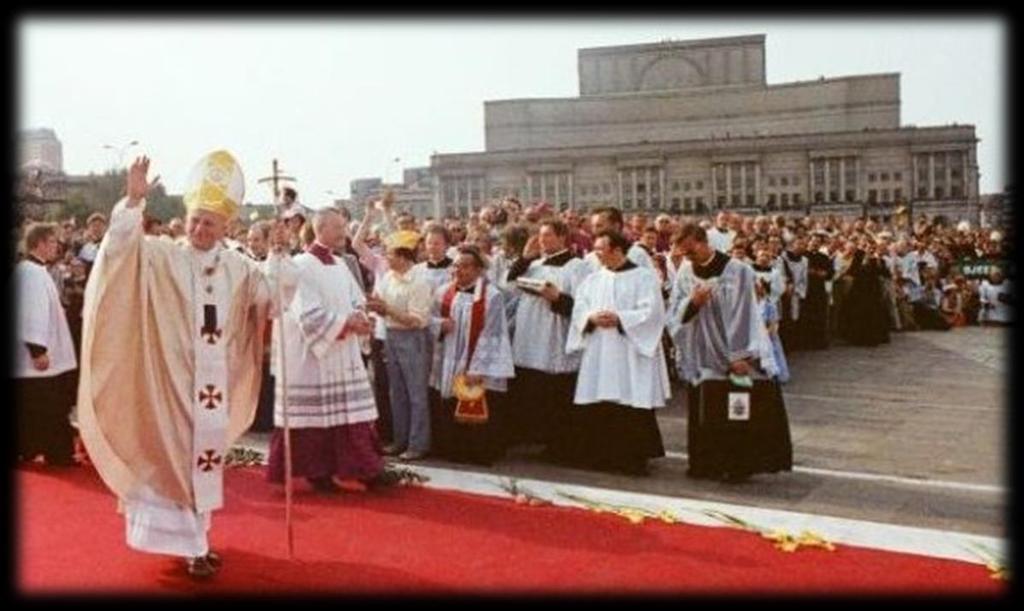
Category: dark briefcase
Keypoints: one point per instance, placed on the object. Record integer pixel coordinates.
(734, 430)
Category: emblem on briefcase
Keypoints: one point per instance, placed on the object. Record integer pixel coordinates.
(739, 406)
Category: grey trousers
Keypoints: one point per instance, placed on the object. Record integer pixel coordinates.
(408, 362)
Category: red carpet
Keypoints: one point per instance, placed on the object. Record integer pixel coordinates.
(409, 540)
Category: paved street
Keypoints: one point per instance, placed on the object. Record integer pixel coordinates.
(908, 433)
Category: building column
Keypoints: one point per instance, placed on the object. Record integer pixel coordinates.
(714, 187)
(558, 194)
(662, 197)
(633, 173)
(543, 185)
(437, 192)
(758, 196)
(743, 184)
(913, 179)
(857, 179)
(810, 182)
(931, 175)
(572, 193)
(828, 182)
(949, 177)
(647, 188)
(967, 188)
(842, 179)
(728, 185)
(620, 189)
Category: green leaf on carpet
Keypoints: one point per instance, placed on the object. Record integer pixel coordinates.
(400, 476)
(635, 515)
(521, 494)
(996, 565)
(239, 456)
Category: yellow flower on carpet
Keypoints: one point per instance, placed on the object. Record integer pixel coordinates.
(666, 517)
(812, 539)
(998, 572)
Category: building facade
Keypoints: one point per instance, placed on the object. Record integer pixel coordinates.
(692, 127)
(415, 194)
(40, 148)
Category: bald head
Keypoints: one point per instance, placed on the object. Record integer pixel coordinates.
(329, 227)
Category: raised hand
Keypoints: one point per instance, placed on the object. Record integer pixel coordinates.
(136, 184)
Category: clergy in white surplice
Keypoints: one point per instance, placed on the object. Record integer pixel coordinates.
(617, 323)
(171, 359)
(718, 330)
(44, 355)
(772, 275)
(331, 409)
(545, 278)
(794, 268)
(472, 363)
(436, 267)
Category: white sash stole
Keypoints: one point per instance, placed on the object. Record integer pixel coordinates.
(210, 391)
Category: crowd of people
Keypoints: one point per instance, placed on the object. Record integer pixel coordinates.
(457, 338)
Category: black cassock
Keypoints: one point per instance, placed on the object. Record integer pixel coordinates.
(814, 309)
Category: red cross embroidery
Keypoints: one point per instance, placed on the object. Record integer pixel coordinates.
(210, 397)
(208, 460)
(211, 335)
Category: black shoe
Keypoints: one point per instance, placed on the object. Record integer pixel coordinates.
(324, 485)
(699, 474)
(199, 568)
(734, 478)
(637, 468)
(61, 461)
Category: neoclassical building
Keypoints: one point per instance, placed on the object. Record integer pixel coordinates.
(692, 127)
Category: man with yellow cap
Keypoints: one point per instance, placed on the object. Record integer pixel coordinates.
(403, 299)
(170, 359)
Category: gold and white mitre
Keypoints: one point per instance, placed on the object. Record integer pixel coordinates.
(215, 184)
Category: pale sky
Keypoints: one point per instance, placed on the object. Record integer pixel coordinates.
(336, 99)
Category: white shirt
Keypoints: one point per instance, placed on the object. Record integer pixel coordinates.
(721, 240)
(409, 293)
(41, 321)
(997, 310)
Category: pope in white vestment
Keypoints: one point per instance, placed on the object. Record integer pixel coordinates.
(171, 360)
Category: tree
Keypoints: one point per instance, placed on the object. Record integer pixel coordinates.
(77, 207)
(163, 206)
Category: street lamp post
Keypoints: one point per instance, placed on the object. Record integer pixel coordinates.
(121, 151)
